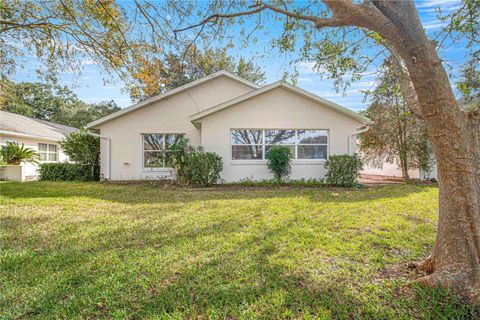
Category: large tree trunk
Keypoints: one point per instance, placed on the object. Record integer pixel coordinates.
(455, 135)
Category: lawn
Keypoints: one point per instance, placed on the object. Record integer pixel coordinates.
(94, 250)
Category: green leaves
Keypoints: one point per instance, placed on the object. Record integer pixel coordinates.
(343, 170)
(278, 161)
(51, 102)
(14, 154)
(82, 148)
(194, 166)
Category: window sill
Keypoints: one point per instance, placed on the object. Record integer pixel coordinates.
(157, 169)
(264, 162)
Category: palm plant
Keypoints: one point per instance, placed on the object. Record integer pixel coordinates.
(14, 154)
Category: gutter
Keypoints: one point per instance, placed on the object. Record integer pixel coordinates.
(106, 176)
(25, 135)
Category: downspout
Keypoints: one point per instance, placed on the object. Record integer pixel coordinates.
(352, 135)
(107, 139)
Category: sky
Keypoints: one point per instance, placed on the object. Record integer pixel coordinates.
(91, 87)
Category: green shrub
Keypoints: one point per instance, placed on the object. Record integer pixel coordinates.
(82, 148)
(64, 171)
(343, 170)
(14, 154)
(195, 166)
(278, 162)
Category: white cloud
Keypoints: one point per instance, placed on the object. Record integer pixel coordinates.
(87, 61)
(434, 24)
(437, 3)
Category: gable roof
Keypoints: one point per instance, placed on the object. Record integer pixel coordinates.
(19, 125)
(280, 84)
(170, 93)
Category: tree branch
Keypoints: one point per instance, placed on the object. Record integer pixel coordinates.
(215, 17)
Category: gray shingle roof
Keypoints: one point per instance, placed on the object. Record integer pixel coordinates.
(16, 123)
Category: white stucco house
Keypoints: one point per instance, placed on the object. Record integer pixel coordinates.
(232, 117)
(39, 135)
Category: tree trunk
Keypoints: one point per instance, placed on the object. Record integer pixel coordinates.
(403, 164)
(455, 137)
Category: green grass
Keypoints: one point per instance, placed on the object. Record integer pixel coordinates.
(93, 250)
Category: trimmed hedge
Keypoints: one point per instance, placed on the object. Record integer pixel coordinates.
(343, 170)
(64, 171)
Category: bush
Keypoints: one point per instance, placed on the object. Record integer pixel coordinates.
(278, 162)
(343, 170)
(195, 166)
(68, 172)
(14, 154)
(82, 148)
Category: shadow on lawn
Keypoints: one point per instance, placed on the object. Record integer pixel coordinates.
(243, 281)
(149, 194)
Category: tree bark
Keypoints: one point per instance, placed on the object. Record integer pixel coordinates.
(455, 261)
(454, 134)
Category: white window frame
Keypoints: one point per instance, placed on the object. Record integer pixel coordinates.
(48, 152)
(297, 143)
(252, 144)
(163, 167)
(264, 144)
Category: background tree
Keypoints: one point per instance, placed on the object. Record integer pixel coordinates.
(469, 84)
(396, 135)
(176, 69)
(52, 103)
(63, 34)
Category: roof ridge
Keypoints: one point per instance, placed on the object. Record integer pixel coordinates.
(280, 83)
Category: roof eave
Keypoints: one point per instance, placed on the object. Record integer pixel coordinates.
(27, 135)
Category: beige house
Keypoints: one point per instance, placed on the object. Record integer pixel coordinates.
(232, 117)
(39, 135)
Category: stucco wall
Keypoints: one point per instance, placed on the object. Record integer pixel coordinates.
(389, 170)
(276, 109)
(29, 170)
(169, 115)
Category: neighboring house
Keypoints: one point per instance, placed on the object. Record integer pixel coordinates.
(232, 117)
(392, 170)
(40, 135)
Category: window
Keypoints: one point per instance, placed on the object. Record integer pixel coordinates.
(156, 153)
(312, 144)
(250, 144)
(48, 152)
(247, 144)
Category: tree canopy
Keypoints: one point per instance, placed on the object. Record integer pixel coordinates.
(157, 76)
(52, 103)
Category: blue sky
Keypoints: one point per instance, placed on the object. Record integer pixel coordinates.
(91, 87)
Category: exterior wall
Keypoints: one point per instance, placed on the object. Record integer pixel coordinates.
(389, 170)
(170, 115)
(276, 109)
(11, 173)
(29, 170)
(432, 174)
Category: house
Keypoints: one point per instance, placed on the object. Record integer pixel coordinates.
(42, 136)
(392, 170)
(232, 117)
